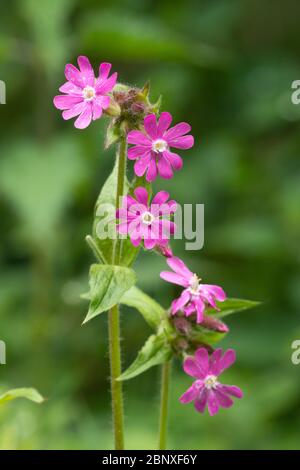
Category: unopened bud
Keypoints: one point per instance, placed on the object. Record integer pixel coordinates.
(114, 109)
(212, 323)
(182, 325)
(164, 250)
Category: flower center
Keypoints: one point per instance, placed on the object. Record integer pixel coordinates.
(159, 145)
(194, 284)
(147, 218)
(210, 381)
(88, 93)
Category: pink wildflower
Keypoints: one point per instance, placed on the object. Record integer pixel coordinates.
(152, 149)
(207, 390)
(143, 221)
(85, 95)
(196, 296)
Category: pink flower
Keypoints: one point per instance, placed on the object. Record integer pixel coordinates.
(85, 95)
(207, 390)
(152, 150)
(143, 221)
(196, 296)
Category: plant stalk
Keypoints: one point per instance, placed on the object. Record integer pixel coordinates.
(114, 320)
(164, 405)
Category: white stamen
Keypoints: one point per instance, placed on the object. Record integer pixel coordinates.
(88, 93)
(194, 284)
(147, 218)
(159, 145)
(211, 381)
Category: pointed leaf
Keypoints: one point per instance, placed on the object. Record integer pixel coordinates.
(29, 393)
(107, 286)
(152, 311)
(230, 306)
(113, 134)
(155, 351)
(204, 335)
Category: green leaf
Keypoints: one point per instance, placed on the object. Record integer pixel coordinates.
(113, 134)
(155, 351)
(29, 393)
(105, 216)
(203, 335)
(107, 286)
(230, 306)
(152, 311)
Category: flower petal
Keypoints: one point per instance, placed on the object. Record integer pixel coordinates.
(232, 390)
(223, 399)
(227, 360)
(201, 401)
(191, 368)
(164, 123)
(142, 164)
(167, 228)
(97, 106)
(174, 159)
(73, 75)
(137, 152)
(71, 89)
(74, 111)
(189, 395)
(184, 142)
(151, 126)
(200, 307)
(214, 362)
(87, 72)
(141, 195)
(106, 85)
(84, 119)
(161, 197)
(177, 131)
(212, 403)
(66, 101)
(177, 304)
(164, 168)
(174, 278)
(179, 267)
(122, 228)
(152, 171)
(189, 309)
(104, 70)
(216, 291)
(149, 243)
(135, 240)
(202, 360)
(137, 137)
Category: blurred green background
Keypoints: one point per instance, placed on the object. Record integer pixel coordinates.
(225, 66)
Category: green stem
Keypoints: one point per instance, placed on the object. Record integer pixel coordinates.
(164, 404)
(114, 321)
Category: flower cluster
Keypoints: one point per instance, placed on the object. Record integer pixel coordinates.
(148, 222)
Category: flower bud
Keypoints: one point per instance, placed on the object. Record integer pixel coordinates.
(114, 109)
(164, 250)
(182, 325)
(213, 323)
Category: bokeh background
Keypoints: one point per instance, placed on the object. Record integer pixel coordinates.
(225, 66)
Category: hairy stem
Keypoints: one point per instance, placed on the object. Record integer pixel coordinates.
(114, 321)
(164, 404)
